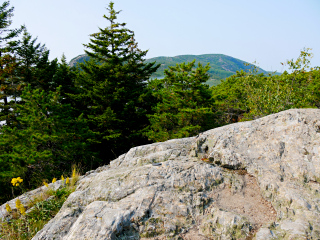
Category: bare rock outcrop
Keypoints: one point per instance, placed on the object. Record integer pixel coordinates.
(249, 180)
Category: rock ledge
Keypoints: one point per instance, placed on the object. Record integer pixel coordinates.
(249, 180)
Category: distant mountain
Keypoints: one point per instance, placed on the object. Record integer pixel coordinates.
(222, 66)
(79, 59)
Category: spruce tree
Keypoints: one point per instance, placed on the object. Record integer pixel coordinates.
(47, 142)
(8, 62)
(65, 77)
(184, 106)
(112, 84)
(7, 42)
(35, 68)
(10, 87)
(26, 63)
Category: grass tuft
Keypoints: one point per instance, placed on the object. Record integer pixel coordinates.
(25, 223)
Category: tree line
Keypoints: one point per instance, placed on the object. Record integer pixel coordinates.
(53, 115)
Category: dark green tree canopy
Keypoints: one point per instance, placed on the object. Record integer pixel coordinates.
(183, 103)
(113, 42)
(113, 84)
(8, 63)
(46, 142)
(31, 56)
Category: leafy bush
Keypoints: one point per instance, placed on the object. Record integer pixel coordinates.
(250, 95)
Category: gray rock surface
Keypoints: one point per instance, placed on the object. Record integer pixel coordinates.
(249, 180)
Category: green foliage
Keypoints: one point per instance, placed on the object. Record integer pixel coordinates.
(34, 66)
(45, 141)
(7, 42)
(250, 95)
(27, 64)
(8, 64)
(9, 87)
(183, 103)
(111, 87)
(65, 77)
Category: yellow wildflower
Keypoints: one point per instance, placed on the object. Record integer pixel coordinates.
(46, 184)
(68, 180)
(20, 207)
(22, 210)
(54, 180)
(18, 203)
(62, 178)
(8, 208)
(16, 181)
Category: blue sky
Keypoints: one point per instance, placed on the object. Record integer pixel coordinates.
(268, 32)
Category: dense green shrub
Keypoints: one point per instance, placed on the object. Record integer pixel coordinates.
(250, 95)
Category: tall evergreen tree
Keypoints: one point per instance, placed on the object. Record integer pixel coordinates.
(47, 142)
(112, 86)
(184, 105)
(65, 77)
(35, 68)
(7, 60)
(9, 87)
(7, 42)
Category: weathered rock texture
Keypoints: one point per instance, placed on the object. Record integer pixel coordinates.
(249, 180)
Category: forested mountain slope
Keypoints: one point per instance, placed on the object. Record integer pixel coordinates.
(221, 66)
